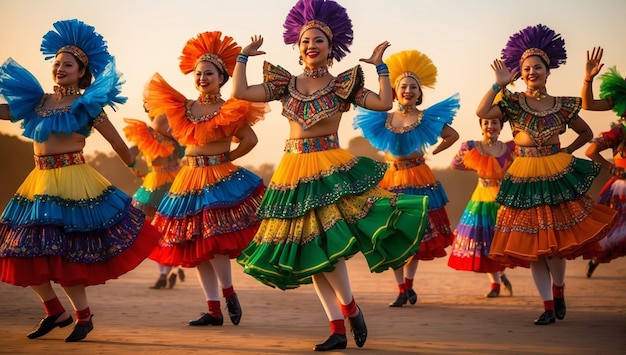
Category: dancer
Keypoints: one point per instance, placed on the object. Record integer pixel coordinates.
(208, 215)
(66, 223)
(613, 194)
(404, 136)
(322, 205)
(534, 226)
(162, 155)
(490, 158)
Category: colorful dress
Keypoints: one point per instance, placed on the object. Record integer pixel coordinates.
(613, 194)
(544, 206)
(66, 223)
(153, 146)
(210, 207)
(323, 203)
(474, 232)
(413, 176)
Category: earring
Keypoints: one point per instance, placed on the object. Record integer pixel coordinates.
(329, 60)
(300, 61)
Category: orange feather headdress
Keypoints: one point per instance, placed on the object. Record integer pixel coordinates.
(210, 47)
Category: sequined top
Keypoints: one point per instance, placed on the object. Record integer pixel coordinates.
(342, 91)
(539, 125)
(612, 139)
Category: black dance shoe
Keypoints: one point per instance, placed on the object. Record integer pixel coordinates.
(493, 294)
(334, 341)
(161, 283)
(171, 281)
(559, 307)
(400, 300)
(358, 328)
(207, 319)
(591, 267)
(411, 296)
(48, 323)
(234, 308)
(80, 331)
(507, 284)
(545, 318)
(181, 274)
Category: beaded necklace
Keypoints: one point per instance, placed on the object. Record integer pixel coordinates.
(61, 92)
(406, 110)
(315, 72)
(207, 99)
(538, 94)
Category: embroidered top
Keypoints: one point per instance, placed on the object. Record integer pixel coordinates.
(611, 139)
(343, 90)
(26, 97)
(472, 156)
(161, 98)
(540, 125)
(403, 141)
(152, 144)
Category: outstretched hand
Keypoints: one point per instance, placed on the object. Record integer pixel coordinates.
(503, 75)
(377, 55)
(252, 49)
(593, 65)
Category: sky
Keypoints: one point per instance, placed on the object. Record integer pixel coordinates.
(461, 37)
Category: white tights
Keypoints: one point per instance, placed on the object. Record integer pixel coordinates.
(210, 271)
(333, 290)
(547, 271)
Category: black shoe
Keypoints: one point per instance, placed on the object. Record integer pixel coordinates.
(507, 284)
(591, 267)
(400, 300)
(411, 296)
(207, 319)
(493, 294)
(48, 323)
(358, 328)
(545, 318)
(80, 331)
(181, 274)
(559, 307)
(334, 341)
(171, 281)
(161, 283)
(234, 308)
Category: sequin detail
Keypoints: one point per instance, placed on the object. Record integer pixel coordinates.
(484, 182)
(312, 144)
(406, 163)
(166, 168)
(542, 151)
(46, 162)
(200, 161)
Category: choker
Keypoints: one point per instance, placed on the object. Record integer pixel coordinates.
(207, 99)
(406, 110)
(315, 72)
(60, 91)
(538, 94)
(490, 141)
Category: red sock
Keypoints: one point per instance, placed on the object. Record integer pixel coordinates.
(401, 288)
(337, 327)
(214, 308)
(349, 309)
(53, 307)
(548, 305)
(558, 291)
(82, 314)
(227, 292)
(408, 283)
(495, 286)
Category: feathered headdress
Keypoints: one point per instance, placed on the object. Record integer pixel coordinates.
(210, 47)
(80, 39)
(536, 40)
(414, 64)
(325, 15)
(613, 87)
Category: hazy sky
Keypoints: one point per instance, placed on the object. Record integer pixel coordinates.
(462, 37)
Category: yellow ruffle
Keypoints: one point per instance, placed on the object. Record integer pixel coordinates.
(542, 166)
(294, 168)
(74, 182)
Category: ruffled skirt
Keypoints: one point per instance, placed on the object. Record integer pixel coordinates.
(613, 194)
(323, 204)
(69, 225)
(154, 187)
(545, 210)
(209, 209)
(414, 177)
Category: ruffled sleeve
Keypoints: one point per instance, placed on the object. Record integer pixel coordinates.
(275, 81)
(609, 139)
(21, 90)
(350, 86)
(104, 91)
(151, 143)
(486, 166)
(163, 99)
(457, 161)
(570, 106)
(509, 104)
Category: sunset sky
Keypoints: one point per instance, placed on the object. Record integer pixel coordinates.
(461, 37)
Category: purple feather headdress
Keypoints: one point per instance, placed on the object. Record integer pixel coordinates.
(326, 15)
(536, 40)
(80, 39)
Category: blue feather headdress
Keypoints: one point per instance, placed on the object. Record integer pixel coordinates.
(538, 40)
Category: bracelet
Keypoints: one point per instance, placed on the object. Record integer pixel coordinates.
(382, 68)
(133, 165)
(587, 81)
(242, 58)
(496, 87)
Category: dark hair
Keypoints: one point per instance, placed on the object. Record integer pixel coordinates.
(85, 81)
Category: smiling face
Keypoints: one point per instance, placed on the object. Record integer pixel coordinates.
(66, 71)
(314, 48)
(207, 78)
(408, 92)
(534, 72)
(491, 128)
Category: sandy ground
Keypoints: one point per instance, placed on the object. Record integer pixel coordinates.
(451, 317)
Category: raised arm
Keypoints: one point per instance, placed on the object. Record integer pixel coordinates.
(486, 108)
(247, 141)
(241, 89)
(449, 135)
(592, 68)
(383, 101)
(5, 113)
